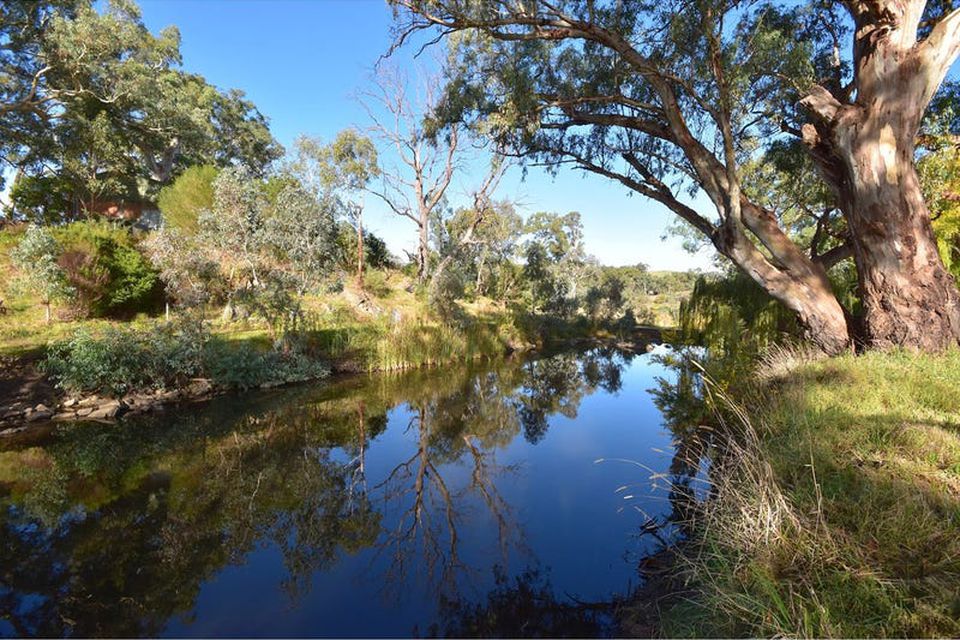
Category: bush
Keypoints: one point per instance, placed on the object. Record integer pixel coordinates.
(104, 266)
(192, 192)
(166, 356)
(123, 359)
(243, 366)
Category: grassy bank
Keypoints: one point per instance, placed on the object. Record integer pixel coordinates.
(837, 513)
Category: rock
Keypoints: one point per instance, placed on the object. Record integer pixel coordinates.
(41, 407)
(70, 402)
(139, 401)
(39, 415)
(107, 410)
(83, 412)
(28, 411)
(199, 387)
(90, 401)
(11, 413)
(64, 416)
(10, 432)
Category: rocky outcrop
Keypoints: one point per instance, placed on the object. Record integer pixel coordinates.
(15, 417)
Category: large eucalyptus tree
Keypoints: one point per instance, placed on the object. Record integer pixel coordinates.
(677, 96)
(862, 135)
(89, 94)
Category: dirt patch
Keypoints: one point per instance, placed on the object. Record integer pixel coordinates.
(23, 384)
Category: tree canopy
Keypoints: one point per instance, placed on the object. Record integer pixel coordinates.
(94, 98)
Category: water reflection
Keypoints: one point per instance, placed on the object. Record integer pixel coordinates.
(425, 487)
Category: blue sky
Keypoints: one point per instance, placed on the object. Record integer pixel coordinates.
(302, 61)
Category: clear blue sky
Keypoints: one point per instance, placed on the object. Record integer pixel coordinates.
(302, 61)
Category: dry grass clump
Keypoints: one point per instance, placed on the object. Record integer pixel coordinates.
(834, 507)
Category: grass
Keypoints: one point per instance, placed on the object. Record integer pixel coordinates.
(837, 513)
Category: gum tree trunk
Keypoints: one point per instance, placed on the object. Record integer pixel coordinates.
(422, 246)
(360, 251)
(866, 149)
(909, 298)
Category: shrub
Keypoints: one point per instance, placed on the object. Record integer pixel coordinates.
(109, 274)
(243, 366)
(192, 192)
(123, 359)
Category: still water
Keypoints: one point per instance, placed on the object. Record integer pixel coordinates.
(503, 498)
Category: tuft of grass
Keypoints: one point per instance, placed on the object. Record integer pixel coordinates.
(836, 510)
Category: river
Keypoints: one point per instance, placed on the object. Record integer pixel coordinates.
(503, 498)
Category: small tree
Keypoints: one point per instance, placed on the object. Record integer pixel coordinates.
(343, 169)
(36, 259)
(189, 276)
(192, 192)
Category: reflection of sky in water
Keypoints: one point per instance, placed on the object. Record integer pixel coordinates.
(550, 506)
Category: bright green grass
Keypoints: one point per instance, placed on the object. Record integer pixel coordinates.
(866, 452)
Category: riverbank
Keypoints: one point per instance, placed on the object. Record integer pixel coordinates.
(837, 510)
(32, 392)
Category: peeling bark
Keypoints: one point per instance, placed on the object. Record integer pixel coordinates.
(865, 150)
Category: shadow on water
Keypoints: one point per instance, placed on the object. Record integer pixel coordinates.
(460, 502)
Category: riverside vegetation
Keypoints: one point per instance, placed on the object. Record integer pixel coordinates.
(107, 334)
(834, 490)
(812, 400)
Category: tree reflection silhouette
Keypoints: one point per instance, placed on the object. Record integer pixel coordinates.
(113, 530)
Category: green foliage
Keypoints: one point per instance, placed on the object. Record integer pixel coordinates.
(43, 199)
(376, 253)
(123, 359)
(109, 274)
(91, 91)
(940, 177)
(446, 288)
(182, 201)
(244, 366)
(489, 260)
(726, 313)
(35, 257)
(119, 360)
(261, 244)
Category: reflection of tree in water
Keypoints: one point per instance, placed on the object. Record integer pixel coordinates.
(111, 530)
(466, 426)
(686, 412)
(524, 608)
(558, 384)
(128, 543)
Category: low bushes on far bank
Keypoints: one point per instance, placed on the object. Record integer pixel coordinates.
(168, 355)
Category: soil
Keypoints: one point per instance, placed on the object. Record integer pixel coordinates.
(21, 381)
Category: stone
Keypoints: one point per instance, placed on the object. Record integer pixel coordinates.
(107, 410)
(41, 407)
(83, 412)
(199, 387)
(64, 416)
(90, 401)
(70, 402)
(36, 416)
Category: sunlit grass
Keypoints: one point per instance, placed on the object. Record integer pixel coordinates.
(865, 454)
